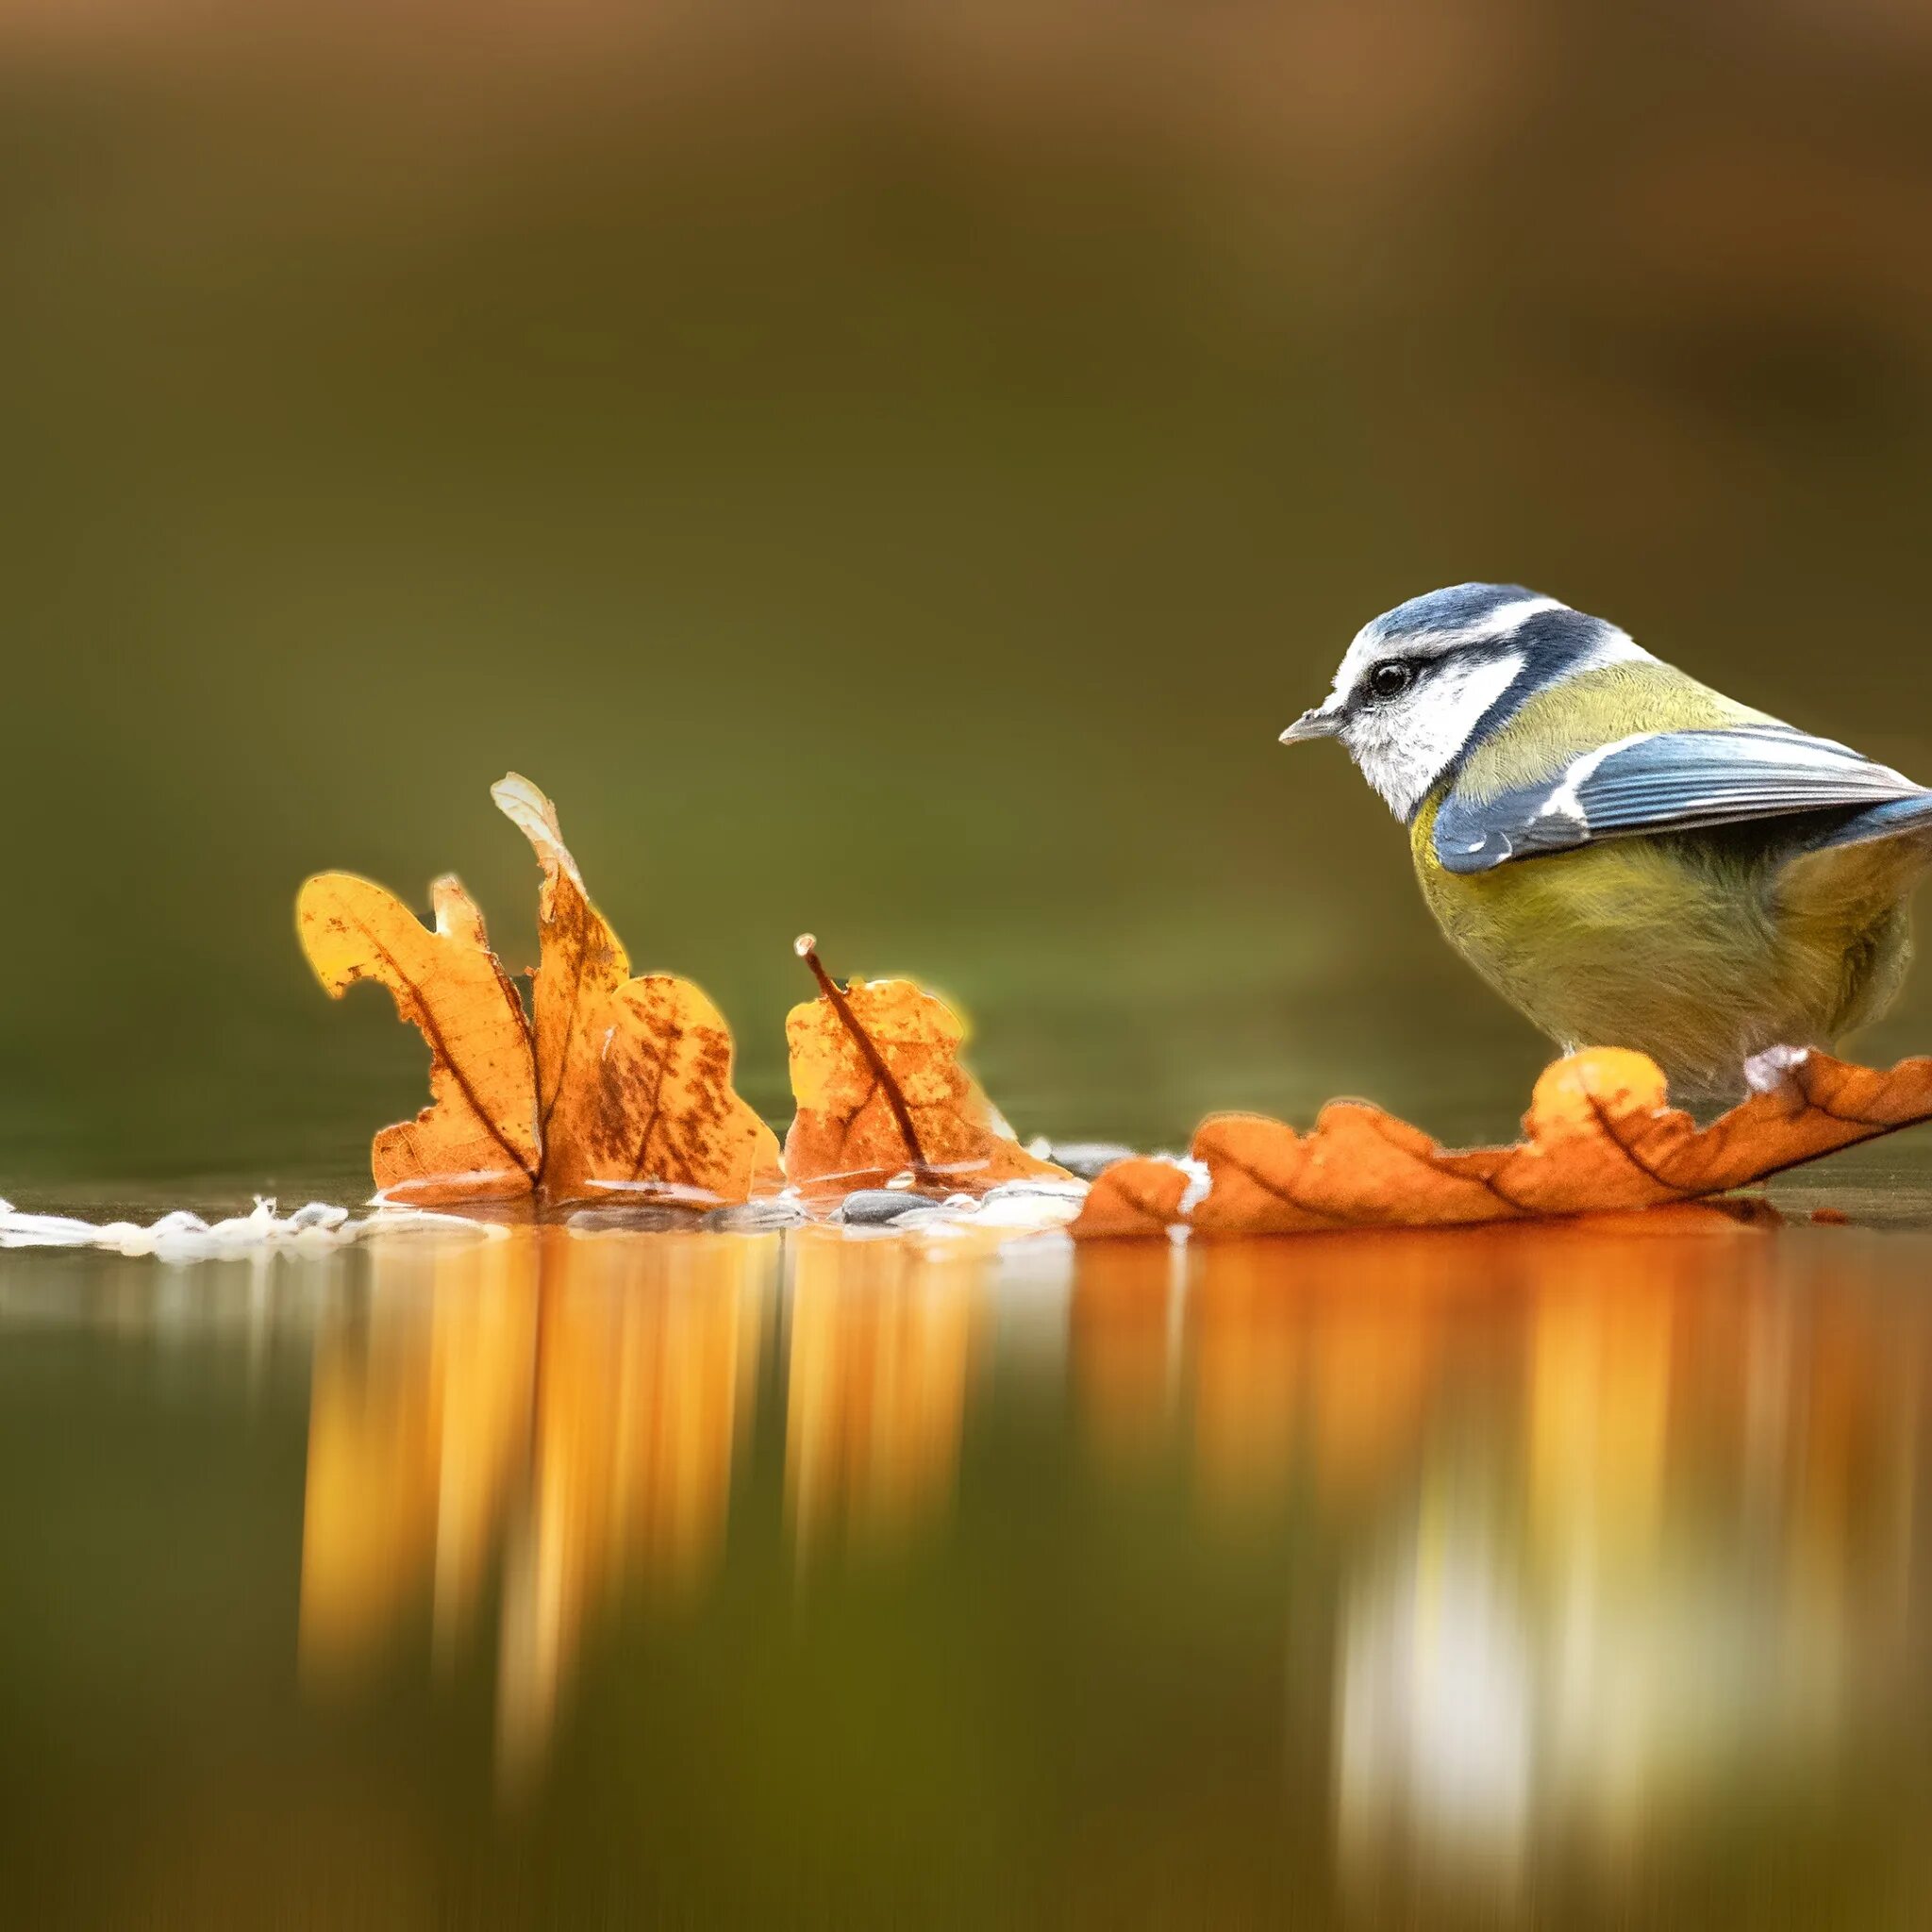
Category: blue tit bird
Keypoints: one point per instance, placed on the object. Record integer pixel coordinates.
(1628, 856)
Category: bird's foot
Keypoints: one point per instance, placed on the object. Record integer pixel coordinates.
(1775, 1072)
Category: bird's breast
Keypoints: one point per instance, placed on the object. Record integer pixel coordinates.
(1682, 947)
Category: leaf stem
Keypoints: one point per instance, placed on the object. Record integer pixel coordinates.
(806, 947)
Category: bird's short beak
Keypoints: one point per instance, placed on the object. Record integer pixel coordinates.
(1323, 721)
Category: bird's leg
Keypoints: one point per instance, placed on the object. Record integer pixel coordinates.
(1776, 1071)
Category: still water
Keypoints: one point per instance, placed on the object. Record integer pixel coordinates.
(1522, 1577)
(891, 473)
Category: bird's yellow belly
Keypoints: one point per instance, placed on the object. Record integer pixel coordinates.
(1685, 951)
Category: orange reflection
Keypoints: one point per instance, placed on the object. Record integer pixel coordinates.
(564, 1411)
(1656, 1542)
(1121, 1344)
(1849, 1459)
(1248, 1329)
(1602, 1355)
(883, 1337)
(1375, 1344)
(1338, 1346)
(1330, 1342)
(418, 1429)
(646, 1368)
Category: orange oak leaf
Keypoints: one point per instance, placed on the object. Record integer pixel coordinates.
(582, 962)
(876, 1075)
(477, 1139)
(656, 1113)
(1132, 1197)
(633, 1075)
(622, 1084)
(1600, 1137)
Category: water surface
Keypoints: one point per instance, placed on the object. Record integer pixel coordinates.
(551, 1580)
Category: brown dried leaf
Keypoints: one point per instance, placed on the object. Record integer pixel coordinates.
(653, 1110)
(1600, 1137)
(1132, 1197)
(853, 1130)
(582, 961)
(477, 1137)
(633, 1075)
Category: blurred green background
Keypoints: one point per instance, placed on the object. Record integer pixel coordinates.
(890, 472)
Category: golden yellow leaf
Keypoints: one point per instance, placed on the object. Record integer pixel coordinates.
(633, 1075)
(477, 1139)
(582, 961)
(876, 1075)
(655, 1112)
(1600, 1137)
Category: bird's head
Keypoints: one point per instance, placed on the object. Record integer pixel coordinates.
(1425, 681)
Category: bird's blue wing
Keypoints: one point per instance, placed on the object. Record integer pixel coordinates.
(1664, 781)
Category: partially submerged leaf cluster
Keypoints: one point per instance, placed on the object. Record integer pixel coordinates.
(615, 1086)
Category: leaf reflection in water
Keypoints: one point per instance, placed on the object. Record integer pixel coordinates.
(1123, 1326)
(559, 1416)
(559, 1411)
(1561, 1544)
(883, 1337)
(1628, 1526)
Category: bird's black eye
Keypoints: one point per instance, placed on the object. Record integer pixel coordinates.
(1391, 679)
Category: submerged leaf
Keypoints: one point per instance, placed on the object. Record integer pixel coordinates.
(633, 1075)
(477, 1139)
(1600, 1137)
(876, 1075)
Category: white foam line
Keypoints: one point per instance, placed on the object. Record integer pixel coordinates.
(182, 1235)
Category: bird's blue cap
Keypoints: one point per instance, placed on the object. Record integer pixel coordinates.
(1459, 609)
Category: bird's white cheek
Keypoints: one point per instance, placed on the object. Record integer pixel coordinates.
(1403, 749)
(1378, 744)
